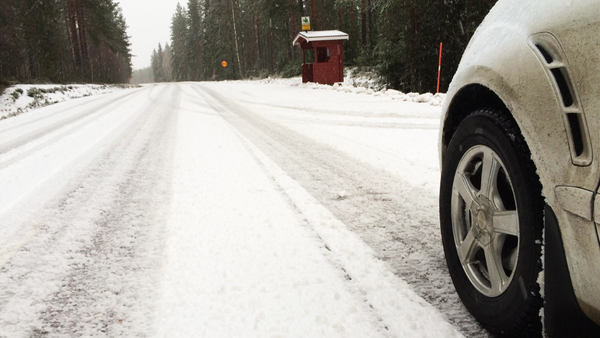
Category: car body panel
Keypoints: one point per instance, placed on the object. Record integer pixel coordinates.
(500, 58)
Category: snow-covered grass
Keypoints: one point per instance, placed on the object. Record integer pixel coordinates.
(21, 98)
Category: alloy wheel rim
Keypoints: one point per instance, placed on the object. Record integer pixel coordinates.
(485, 220)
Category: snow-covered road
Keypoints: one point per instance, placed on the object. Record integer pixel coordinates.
(231, 209)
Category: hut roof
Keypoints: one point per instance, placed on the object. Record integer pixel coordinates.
(310, 36)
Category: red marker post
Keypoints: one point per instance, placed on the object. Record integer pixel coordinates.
(439, 69)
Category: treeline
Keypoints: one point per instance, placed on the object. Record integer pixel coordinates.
(143, 75)
(63, 41)
(399, 39)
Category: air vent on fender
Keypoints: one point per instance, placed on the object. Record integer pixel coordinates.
(552, 57)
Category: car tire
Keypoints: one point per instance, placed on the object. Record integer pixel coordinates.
(491, 217)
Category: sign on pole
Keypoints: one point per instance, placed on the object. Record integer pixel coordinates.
(306, 23)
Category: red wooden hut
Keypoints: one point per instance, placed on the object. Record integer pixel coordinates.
(328, 47)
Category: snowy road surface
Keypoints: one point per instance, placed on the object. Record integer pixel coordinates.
(231, 209)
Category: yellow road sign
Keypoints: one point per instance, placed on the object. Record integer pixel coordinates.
(306, 23)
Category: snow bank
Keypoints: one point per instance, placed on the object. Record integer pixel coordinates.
(352, 88)
(22, 98)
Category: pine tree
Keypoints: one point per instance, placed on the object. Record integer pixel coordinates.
(63, 40)
(407, 54)
(166, 63)
(179, 36)
(143, 75)
(194, 43)
(398, 38)
(10, 40)
(157, 64)
(40, 37)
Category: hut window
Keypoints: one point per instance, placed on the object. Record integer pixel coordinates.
(322, 54)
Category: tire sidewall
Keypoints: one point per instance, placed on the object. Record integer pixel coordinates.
(496, 313)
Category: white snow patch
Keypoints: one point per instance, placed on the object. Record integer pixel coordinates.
(352, 88)
(240, 262)
(403, 312)
(21, 98)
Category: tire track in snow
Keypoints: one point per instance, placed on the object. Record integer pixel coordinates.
(21, 138)
(73, 105)
(97, 251)
(46, 137)
(396, 219)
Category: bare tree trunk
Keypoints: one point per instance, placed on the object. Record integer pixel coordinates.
(256, 21)
(237, 49)
(73, 35)
(313, 14)
(294, 20)
(414, 31)
(85, 59)
(370, 19)
(270, 46)
(363, 23)
(293, 29)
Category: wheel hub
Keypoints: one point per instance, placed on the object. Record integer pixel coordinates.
(481, 219)
(486, 230)
(484, 223)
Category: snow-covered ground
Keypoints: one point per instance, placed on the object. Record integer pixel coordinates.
(361, 85)
(21, 98)
(249, 208)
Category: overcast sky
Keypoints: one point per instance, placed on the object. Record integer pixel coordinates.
(149, 23)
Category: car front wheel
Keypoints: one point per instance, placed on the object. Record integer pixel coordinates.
(491, 215)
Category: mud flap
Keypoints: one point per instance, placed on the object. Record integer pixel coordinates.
(562, 315)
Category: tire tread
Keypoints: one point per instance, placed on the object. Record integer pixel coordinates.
(528, 323)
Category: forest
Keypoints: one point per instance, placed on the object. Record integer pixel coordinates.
(398, 40)
(61, 41)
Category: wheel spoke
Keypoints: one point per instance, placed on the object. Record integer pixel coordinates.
(506, 222)
(494, 266)
(466, 247)
(486, 234)
(509, 259)
(489, 173)
(465, 189)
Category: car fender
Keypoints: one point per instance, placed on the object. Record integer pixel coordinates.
(547, 141)
(509, 78)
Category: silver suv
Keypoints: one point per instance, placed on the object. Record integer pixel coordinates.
(519, 203)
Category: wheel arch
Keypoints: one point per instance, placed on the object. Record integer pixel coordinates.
(497, 95)
(469, 98)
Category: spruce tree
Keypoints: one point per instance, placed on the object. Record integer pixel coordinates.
(179, 36)
(194, 41)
